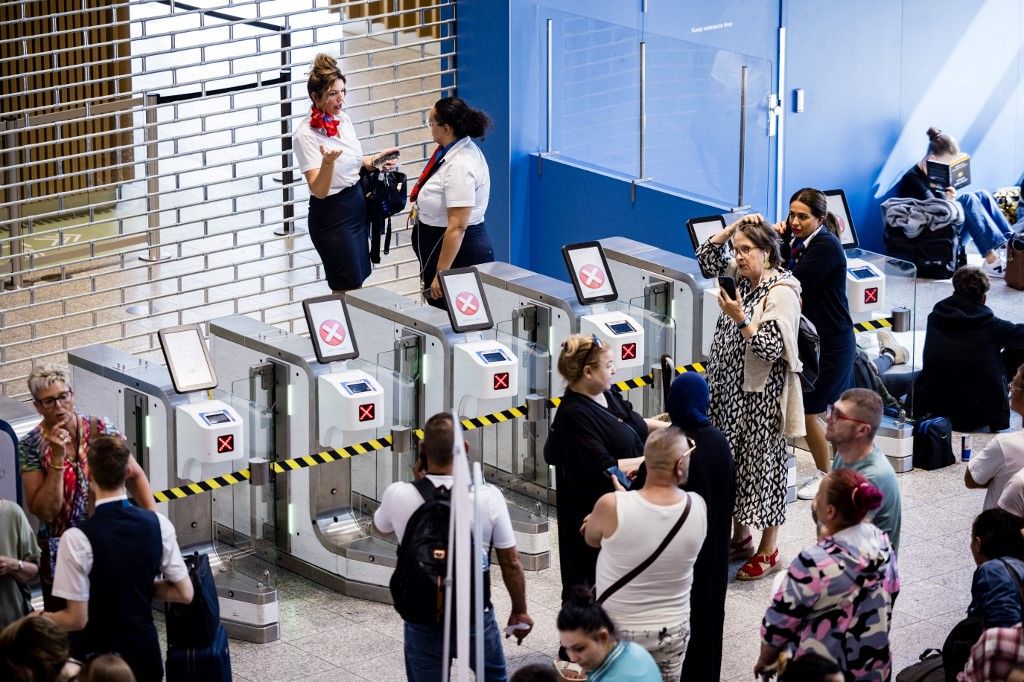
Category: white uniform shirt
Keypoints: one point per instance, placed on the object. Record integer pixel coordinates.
(306, 145)
(401, 499)
(997, 463)
(74, 560)
(461, 180)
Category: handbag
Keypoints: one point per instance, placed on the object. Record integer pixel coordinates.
(386, 193)
(928, 669)
(808, 349)
(933, 443)
(625, 580)
(1015, 262)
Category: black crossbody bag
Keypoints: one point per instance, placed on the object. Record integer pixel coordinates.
(624, 580)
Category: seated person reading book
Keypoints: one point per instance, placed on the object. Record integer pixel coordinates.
(984, 222)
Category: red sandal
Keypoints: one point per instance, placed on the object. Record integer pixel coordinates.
(741, 549)
(760, 565)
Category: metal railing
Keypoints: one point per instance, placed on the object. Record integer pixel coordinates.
(205, 214)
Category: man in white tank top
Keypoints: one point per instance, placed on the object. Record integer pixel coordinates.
(652, 609)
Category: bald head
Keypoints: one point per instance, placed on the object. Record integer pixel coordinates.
(664, 449)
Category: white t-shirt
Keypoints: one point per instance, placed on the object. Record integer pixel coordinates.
(306, 145)
(74, 560)
(997, 463)
(660, 595)
(401, 499)
(462, 179)
(1012, 499)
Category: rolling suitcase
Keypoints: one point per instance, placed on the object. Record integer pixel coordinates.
(208, 664)
(1015, 262)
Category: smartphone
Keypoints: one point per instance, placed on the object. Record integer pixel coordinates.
(619, 474)
(728, 285)
(384, 158)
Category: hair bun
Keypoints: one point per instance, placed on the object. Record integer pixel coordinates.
(582, 595)
(933, 133)
(325, 61)
(867, 497)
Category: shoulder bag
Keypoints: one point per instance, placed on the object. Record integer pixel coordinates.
(625, 580)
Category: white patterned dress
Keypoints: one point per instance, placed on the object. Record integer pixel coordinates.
(752, 422)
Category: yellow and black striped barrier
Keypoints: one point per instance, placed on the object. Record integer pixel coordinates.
(872, 325)
(201, 487)
(375, 444)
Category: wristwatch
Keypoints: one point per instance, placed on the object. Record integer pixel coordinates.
(21, 565)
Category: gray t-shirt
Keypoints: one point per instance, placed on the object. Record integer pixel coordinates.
(876, 468)
(17, 540)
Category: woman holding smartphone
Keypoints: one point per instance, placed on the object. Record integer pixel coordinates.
(329, 155)
(594, 437)
(756, 400)
(815, 256)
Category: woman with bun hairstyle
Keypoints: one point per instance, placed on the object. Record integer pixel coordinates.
(589, 638)
(594, 431)
(836, 598)
(451, 196)
(984, 222)
(814, 254)
(329, 155)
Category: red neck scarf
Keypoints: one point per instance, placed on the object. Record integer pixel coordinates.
(428, 170)
(325, 123)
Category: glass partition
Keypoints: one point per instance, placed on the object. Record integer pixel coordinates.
(897, 292)
(696, 96)
(703, 110)
(243, 514)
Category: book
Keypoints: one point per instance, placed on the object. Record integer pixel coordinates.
(955, 174)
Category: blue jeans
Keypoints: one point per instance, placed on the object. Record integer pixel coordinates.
(984, 221)
(424, 651)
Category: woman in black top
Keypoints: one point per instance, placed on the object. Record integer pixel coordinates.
(815, 256)
(712, 477)
(984, 222)
(594, 430)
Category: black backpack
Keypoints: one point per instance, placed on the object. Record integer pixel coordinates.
(808, 348)
(933, 443)
(386, 194)
(417, 584)
(194, 625)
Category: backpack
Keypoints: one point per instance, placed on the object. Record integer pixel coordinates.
(865, 375)
(386, 193)
(195, 625)
(933, 443)
(417, 584)
(808, 349)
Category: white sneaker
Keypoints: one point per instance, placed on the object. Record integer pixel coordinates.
(810, 487)
(996, 269)
(887, 341)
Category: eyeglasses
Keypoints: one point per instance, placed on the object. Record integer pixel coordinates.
(833, 412)
(63, 398)
(746, 250)
(691, 445)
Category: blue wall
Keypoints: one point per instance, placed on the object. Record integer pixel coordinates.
(903, 67)
(896, 67)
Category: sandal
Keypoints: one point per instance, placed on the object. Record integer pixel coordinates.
(760, 565)
(741, 549)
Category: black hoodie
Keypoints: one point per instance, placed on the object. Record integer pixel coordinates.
(962, 374)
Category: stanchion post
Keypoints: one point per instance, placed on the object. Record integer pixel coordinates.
(402, 443)
(901, 319)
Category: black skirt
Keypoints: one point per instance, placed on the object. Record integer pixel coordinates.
(426, 244)
(340, 234)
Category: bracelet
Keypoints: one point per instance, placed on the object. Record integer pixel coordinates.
(57, 468)
(744, 324)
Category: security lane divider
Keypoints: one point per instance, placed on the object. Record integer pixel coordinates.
(375, 444)
(873, 325)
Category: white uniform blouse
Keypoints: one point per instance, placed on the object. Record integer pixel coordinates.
(461, 180)
(306, 145)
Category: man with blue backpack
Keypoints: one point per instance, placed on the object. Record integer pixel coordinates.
(418, 514)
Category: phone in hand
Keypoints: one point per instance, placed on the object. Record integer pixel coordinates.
(384, 158)
(728, 285)
(619, 474)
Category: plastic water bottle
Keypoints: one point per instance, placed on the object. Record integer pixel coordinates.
(965, 448)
